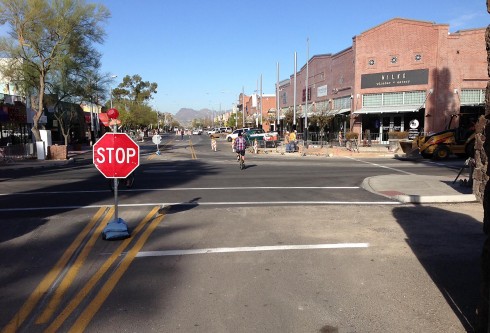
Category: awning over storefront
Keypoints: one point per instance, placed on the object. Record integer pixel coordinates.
(388, 109)
(338, 112)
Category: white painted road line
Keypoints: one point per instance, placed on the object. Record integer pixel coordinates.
(381, 166)
(250, 249)
(191, 189)
(231, 203)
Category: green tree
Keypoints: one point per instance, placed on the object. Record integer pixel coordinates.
(289, 119)
(135, 90)
(235, 120)
(197, 123)
(70, 84)
(46, 36)
(131, 98)
(321, 119)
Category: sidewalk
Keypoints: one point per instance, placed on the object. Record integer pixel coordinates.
(335, 151)
(73, 156)
(419, 189)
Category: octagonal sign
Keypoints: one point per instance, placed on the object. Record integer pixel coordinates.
(116, 155)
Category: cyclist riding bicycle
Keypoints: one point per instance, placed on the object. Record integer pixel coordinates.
(240, 146)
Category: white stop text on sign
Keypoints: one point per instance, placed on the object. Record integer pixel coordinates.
(115, 155)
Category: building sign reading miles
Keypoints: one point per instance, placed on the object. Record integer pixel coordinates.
(395, 79)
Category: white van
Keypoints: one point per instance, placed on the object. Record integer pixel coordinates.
(234, 135)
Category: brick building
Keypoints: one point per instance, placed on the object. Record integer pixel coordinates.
(398, 75)
(257, 114)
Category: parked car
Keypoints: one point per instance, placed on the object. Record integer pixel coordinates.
(213, 131)
(254, 134)
(197, 131)
(234, 134)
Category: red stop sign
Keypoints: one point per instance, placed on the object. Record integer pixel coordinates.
(116, 155)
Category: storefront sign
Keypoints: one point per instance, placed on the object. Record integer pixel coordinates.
(284, 97)
(414, 129)
(395, 79)
(412, 133)
(321, 91)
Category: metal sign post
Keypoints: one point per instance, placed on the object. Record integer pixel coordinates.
(157, 139)
(116, 156)
(116, 185)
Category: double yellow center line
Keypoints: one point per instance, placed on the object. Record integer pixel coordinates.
(193, 151)
(56, 284)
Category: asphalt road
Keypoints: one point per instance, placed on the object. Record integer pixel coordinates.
(286, 245)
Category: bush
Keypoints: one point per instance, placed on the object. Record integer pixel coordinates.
(397, 135)
(351, 136)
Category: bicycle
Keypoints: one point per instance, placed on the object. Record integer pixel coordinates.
(128, 182)
(241, 162)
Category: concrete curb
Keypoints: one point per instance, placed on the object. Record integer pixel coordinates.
(368, 185)
(420, 199)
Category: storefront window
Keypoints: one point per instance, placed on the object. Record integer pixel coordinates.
(372, 100)
(393, 99)
(321, 106)
(414, 97)
(342, 103)
(472, 96)
(396, 98)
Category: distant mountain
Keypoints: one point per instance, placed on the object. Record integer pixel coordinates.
(185, 116)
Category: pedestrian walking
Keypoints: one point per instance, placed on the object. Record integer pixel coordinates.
(292, 140)
(214, 144)
(286, 142)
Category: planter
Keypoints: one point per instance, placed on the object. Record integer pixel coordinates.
(58, 152)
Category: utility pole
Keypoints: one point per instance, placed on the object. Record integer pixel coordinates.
(294, 93)
(306, 102)
(243, 106)
(261, 123)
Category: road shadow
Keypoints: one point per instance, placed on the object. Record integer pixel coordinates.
(180, 207)
(249, 166)
(459, 186)
(448, 245)
(16, 229)
(93, 189)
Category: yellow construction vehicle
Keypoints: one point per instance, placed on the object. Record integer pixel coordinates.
(458, 141)
(442, 144)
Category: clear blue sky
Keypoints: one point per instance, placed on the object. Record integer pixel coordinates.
(201, 53)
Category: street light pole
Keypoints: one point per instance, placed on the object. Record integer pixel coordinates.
(97, 126)
(277, 99)
(243, 106)
(261, 107)
(306, 103)
(91, 120)
(112, 77)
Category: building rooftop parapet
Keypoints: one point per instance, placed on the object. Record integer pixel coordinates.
(400, 19)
